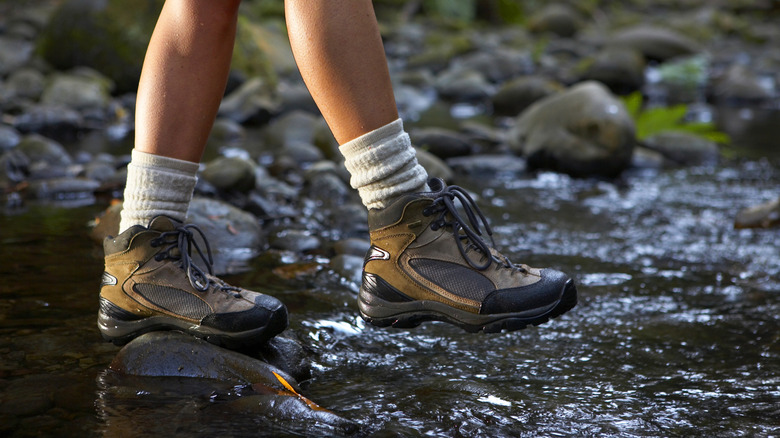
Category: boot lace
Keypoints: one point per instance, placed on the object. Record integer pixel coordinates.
(444, 204)
(181, 241)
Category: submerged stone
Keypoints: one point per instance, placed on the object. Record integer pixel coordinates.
(272, 392)
(682, 148)
(764, 215)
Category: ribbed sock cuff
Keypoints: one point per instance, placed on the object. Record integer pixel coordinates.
(157, 185)
(383, 165)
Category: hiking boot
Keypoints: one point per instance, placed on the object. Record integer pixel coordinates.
(151, 283)
(427, 263)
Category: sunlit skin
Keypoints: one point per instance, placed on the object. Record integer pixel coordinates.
(336, 44)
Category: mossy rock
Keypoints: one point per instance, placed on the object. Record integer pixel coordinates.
(112, 38)
(105, 35)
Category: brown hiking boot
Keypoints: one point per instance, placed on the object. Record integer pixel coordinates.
(151, 283)
(427, 263)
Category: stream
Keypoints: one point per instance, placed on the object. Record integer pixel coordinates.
(677, 332)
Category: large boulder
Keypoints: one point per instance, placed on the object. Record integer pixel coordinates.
(583, 131)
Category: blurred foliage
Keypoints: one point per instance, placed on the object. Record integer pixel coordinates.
(690, 72)
(510, 11)
(263, 9)
(651, 121)
(461, 10)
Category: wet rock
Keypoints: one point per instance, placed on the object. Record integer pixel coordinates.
(435, 166)
(305, 417)
(463, 85)
(9, 138)
(100, 170)
(226, 131)
(288, 354)
(81, 89)
(350, 219)
(252, 103)
(764, 215)
(291, 128)
(49, 120)
(294, 240)
(230, 174)
(41, 150)
(411, 101)
(14, 53)
(655, 43)
(739, 85)
(644, 158)
(65, 188)
(269, 209)
(348, 266)
(276, 189)
(557, 19)
(583, 131)
(498, 65)
(102, 34)
(327, 187)
(684, 149)
(443, 143)
(14, 168)
(487, 165)
(352, 246)
(295, 97)
(325, 141)
(26, 83)
(235, 235)
(619, 68)
(301, 153)
(169, 354)
(518, 94)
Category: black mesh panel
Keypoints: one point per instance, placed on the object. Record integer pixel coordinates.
(174, 300)
(457, 279)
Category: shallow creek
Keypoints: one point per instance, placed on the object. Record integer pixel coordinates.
(677, 331)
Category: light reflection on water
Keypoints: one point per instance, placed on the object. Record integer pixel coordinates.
(677, 330)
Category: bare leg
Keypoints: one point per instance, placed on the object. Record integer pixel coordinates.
(184, 76)
(339, 52)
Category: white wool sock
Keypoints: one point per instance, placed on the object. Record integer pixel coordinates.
(383, 165)
(157, 185)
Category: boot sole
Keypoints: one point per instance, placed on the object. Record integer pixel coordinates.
(121, 332)
(382, 313)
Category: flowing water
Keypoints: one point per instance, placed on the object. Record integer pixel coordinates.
(677, 332)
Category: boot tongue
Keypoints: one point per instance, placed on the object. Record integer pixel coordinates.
(162, 224)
